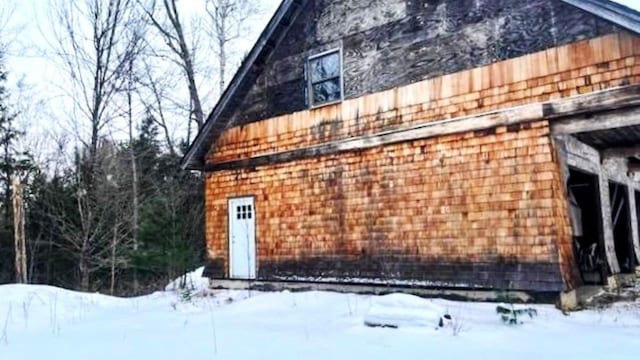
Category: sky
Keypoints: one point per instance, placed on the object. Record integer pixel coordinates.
(36, 81)
(28, 20)
(40, 88)
(635, 4)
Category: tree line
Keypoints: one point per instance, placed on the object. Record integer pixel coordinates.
(110, 209)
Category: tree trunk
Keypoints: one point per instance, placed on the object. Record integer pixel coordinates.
(19, 237)
(8, 175)
(222, 63)
(83, 268)
(175, 38)
(134, 179)
(114, 245)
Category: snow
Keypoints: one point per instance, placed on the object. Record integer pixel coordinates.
(375, 281)
(192, 281)
(402, 310)
(44, 322)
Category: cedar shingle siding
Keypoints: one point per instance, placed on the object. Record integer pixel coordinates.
(483, 209)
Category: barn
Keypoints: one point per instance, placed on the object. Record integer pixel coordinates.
(462, 147)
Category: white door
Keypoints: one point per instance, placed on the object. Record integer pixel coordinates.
(242, 238)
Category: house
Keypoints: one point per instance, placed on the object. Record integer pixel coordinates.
(463, 146)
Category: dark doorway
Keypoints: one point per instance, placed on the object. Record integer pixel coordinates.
(586, 222)
(621, 220)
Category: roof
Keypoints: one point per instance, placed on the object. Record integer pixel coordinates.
(614, 12)
(274, 31)
(618, 14)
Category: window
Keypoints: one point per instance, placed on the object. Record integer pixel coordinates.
(325, 78)
(244, 212)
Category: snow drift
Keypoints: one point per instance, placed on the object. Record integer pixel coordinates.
(402, 310)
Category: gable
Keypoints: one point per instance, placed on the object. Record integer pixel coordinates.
(390, 43)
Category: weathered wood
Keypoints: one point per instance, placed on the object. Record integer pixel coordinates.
(629, 151)
(397, 42)
(594, 122)
(620, 97)
(615, 169)
(483, 205)
(633, 167)
(580, 155)
(437, 128)
(562, 149)
(550, 110)
(607, 224)
(584, 157)
(387, 44)
(633, 214)
(462, 208)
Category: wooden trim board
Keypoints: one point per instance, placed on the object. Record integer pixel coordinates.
(617, 98)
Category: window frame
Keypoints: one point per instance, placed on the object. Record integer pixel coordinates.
(310, 83)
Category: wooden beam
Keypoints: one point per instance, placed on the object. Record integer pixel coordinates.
(506, 117)
(553, 110)
(633, 167)
(610, 99)
(594, 122)
(625, 152)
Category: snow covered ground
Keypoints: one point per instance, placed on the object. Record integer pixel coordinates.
(38, 322)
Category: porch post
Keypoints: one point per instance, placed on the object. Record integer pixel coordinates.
(607, 223)
(633, 215)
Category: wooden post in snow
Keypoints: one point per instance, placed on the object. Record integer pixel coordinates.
(18, 232)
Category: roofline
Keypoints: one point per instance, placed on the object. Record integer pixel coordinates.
(188, 161)
(614, 12)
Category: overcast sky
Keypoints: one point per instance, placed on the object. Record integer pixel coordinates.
(28, 32)
(31, 20)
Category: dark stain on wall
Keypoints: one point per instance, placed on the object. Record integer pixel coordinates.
(214, 269)
(504, 275)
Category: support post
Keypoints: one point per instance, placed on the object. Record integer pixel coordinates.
(633, 215)
(607, 223)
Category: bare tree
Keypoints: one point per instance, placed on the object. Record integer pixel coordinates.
(229, 20)
(6, 37)
(173, 33)
(116, 187)
(134, 180)
(97, 66)
(155, 102)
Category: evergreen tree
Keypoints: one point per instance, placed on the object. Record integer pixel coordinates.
(171, 216)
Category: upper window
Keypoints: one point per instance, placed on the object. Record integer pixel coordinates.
(325, 78)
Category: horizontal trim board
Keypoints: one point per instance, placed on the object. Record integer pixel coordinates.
(581, 104)
(631, 151)
(431, 129)
(596, 122)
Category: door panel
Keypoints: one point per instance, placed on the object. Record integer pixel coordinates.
(242, 243)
